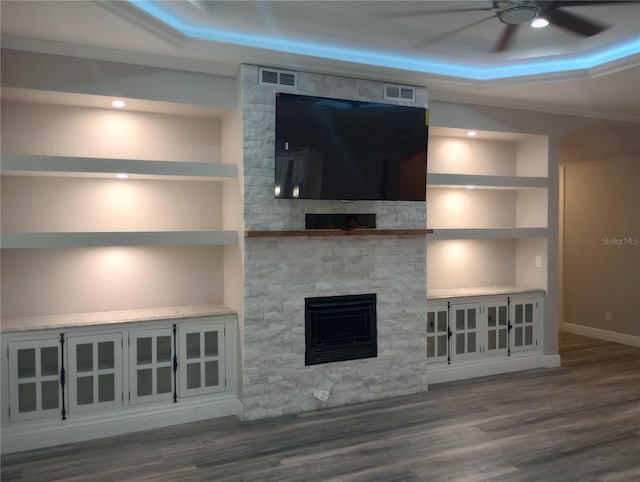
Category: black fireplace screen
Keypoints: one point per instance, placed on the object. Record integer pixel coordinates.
(339, 328)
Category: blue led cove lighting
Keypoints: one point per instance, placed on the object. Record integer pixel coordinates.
(160, 12)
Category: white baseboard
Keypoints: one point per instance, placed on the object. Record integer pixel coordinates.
(613, 336)
(487, 367)
(20, 436)
(552, 361)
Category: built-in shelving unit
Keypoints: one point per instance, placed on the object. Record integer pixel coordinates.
(99, 200)
(115, 238)
(487, 203)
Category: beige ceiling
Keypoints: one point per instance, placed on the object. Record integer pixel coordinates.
(118, 31)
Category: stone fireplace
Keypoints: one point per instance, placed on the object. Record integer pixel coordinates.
(280, 273)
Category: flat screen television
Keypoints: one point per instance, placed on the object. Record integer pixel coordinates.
(349, 150)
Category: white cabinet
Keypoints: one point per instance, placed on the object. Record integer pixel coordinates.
(151, 365)
(525, 319)
(438, 333)
(95, 380)
(95, 372)
(479, 328)
(496, 331)
(475, 329)
(202, 359)
(466, 334)
(34, 379)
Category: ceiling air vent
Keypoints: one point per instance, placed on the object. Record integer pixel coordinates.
(401, 92)
(278, 77)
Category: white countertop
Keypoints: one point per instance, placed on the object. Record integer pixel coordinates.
(479, 291)
(111, 317)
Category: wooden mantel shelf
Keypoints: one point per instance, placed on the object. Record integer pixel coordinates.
(336, 232)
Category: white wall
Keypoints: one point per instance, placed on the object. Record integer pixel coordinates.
(528, 275)
(470, 263)
(602, 245)
(529, 151)
(233, 208)
(531, 208)
(470, 208)
(58, 130)
(37, 204)
(471, 156)
(57, 281)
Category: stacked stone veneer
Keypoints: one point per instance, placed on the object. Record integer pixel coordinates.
(280, 272)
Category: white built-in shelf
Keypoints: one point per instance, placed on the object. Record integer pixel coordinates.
(488, 233)
(93, 239)
(479, 291)
(100, 167)
(441, 180)
(74, 320)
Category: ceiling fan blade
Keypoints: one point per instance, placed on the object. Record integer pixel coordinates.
(419, 13)
(505, 39)
(448, 34)
(573, 23)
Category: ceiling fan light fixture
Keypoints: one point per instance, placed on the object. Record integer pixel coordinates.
(518, 14)
(540, 22)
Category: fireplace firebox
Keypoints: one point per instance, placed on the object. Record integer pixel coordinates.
(339, 328)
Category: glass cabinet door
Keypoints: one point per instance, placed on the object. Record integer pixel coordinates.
(34, 379)
(524, 318)
(151, 365)
(497, 330)
(95, 372)
(201, 360)
(437, 342)
(464, 325)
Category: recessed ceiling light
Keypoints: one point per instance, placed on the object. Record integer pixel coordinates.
(122, 175)
(119, 104)
(540, 22)
(472, 133)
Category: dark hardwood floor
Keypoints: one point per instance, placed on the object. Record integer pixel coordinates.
(580, 423)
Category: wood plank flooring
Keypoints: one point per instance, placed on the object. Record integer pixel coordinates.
(580, 423)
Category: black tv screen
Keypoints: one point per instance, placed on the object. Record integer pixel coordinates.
(349, 150)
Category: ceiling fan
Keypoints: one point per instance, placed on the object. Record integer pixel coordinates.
(514, 13)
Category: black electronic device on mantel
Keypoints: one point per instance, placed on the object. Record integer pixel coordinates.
(349, 150)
